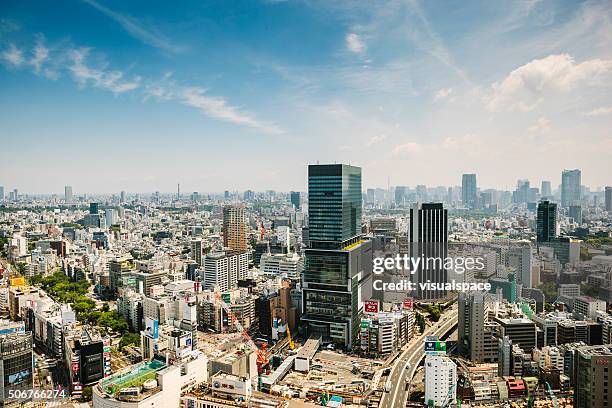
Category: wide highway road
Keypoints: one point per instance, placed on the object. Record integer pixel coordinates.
(397, 395)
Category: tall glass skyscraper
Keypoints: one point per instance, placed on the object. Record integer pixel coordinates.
(334, 203)
(338, 261)
(428, 236)
(469, 194)
(570, 187)
(546, 222)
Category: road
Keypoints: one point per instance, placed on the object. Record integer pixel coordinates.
(397, 395)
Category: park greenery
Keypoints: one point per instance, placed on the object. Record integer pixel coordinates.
(63, 290)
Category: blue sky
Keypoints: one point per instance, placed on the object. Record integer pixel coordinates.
(137, 96)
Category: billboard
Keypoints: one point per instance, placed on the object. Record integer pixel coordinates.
(435, 348)
(371, 306)
(151, 328)
(408, 303)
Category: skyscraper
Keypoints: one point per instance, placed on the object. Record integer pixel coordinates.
(469, 190)
(546, 223)
(334, 203)
(196, 251)
(609, 199)
(1, 193)
(575, 212)
(122, 197)
(234, 228)
(68, 194)
(546, 189)
(570, 187)
(295, 199)
(93, 208)
(428, 237)
(400, 194)
(338, 262)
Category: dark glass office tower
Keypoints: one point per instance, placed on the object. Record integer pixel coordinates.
(469, 190)
(546, 223)
(334, 202)
(428, 236)
(338, 261)
(295, 199)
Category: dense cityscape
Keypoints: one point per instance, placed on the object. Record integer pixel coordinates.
(305, 203)
(255, 298)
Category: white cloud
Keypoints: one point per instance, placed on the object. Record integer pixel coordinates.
(604, 110)
(40, 55)
(218, 108)
(443, 94)
(406, 149)
(355, 44)
(136, 30)
(13, 56)
(525, 87)
(541, 127)
(109, 80)
(375, 140)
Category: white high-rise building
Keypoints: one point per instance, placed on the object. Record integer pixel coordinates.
(440, 381)
(225, 269)
(289, 265)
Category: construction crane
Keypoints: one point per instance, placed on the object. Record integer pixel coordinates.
(291, 343)
(262, 358)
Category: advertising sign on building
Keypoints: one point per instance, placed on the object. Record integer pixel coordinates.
(371, 306)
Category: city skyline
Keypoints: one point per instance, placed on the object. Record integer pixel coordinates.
(131, 99)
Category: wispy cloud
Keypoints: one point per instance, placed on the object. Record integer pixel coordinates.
(39, 55)
(76, 62)
(109, 80)
(134, 28)
(13, 56)
(355, 44)
(604, 110)
(375, 140)
(218, 108)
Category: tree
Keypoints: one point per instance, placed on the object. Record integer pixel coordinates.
(87, 393)
(128, 339)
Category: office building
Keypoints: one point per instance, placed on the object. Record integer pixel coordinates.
(570, 187)
(16, 362)
(234, 228)
(476, 339)
(546, 222)
(440, 381)
(608, 199)
(589, 306)
(2, 193)
(295, 199)
(593, 371)
(338, 261)
(401, 195)
(546, 190)
(223, 270)
(68, 194)
(521, 331)
(122, 198)
(469, 190)
(196, 251)
(428, 236)
(575, 213)
(93, 208)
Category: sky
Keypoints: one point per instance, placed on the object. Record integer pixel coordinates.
(232, 95)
